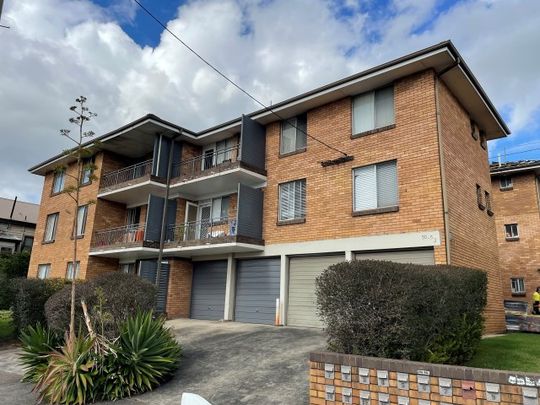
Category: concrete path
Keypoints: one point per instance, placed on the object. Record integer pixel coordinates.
(227, 363)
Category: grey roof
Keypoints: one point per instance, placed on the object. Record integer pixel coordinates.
(23, 212)
(518, 165)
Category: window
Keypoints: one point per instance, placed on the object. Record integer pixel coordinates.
(373, 110)
(69, 272)
(220, 208)
(475, 131)
(82, 213)
(505, 183)
(487, 200)
(28, 241)
(375, 186)
(518, 286)
(133, 216)
(292, 200)
(483, 140)
(50, 227)
(58, 182)
(87, 170)
(128, 268)
(293, 134)
(43, 271)
(511, 231)
(224, 150)
(479, 200)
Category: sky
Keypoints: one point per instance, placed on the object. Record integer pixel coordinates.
(127, 66)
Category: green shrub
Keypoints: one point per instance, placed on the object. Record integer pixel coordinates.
(111, 299)
(37, 343)
(29, 297)
(14, 265)
(403, 311)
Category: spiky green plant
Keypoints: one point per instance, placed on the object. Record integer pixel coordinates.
(37, 344)
(70, 374)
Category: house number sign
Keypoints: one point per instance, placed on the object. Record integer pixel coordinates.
(523, 380)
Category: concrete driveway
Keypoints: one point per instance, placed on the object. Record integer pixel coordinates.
(227, 363)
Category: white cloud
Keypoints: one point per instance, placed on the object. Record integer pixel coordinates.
(59, 49)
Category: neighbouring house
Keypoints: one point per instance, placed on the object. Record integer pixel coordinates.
(257, 209)
(516, 202)
(18, 221)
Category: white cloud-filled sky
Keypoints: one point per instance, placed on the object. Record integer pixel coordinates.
(56, 50)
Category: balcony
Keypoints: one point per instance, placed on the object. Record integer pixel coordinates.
(221, 235)
(131, 185)
(219, 171)
(122, 241)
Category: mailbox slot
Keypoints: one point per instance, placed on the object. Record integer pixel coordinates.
(403, 401)
(330, 393)
(493, 392)
(328, 371)
(363, 375)
(423, 383)
(382, 378)
(364, 397)
(345, 373)
(530, 396)
(403, 381)
(445, 387)
(346, 395)
(384, 399)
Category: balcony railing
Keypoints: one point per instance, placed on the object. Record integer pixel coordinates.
(208, 163)
(126, 174)
(120, 236)
(203, 230)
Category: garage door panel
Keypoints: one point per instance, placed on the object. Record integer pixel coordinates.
(208, 290)
(424, 256)
(302, 306)
(257, 287)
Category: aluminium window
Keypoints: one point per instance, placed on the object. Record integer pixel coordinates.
(375, 186)
(128, 268)
(69, 271)
(225, 150)
(487, 200)
(82, 214)
(505, 183)
(220, 208)
(511, 231)
(28, 241)
(479, 199)
(293, 134)
(50, 227)
(517, 285)
(475, 131)
(58, 182)
(87, 170)
(373, 110)
(44, 270)
(292, 200)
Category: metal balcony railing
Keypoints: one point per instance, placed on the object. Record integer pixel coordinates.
(122, 235)
(208, 163)
(126, 174)
(203, 230)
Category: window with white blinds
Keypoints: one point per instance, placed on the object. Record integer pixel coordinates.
(220, 208)
(50, 228)
(293, 134)
(58, 182)
(375, 186)
(292, 200)
(373, 110)
(43, 271)
(82, 213)
(70, 273)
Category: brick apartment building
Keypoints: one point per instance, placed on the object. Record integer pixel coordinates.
(516, 202)
(257, 209)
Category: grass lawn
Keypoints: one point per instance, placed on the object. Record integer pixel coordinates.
(514, 351)
(7, 330)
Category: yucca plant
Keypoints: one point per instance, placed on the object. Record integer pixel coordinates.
(37, 344)
(70, 374)
(147, 353)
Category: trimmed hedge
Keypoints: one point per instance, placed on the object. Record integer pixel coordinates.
(29, 296)
(11, 266)
(402, 311)
(110, 298)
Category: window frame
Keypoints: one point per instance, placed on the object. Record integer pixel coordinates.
(77, 270)
(509, 185)
(375, 129)
(487, 201)
(296, 148)
(295, 220)
(48, 270)
(377, 210)
(55, 180)
(84, 222)
(512, 237)
(221, 218)
(55, 227)
(479, 197)
(86, 161)
(520, 282)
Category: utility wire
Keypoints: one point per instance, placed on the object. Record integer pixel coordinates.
(515, 153)
(233, 83)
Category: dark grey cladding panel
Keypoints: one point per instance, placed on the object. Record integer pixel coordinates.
(250, 212)
(163, 287)
(162, 146)
(171, 219)
(148, 270)
(154, 216)
(177, 152)
(252, 143)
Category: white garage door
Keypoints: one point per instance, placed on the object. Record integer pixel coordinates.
(424, 256)
(302, 308)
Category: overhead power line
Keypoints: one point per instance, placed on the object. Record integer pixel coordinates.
(514, 153)
(219, 72)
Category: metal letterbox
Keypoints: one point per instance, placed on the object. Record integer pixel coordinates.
(328, 370)
(346, 395)
(403, 381)
(445, 387)
(493, 392)
(330, 391)
(423, 383)
(364, 397)
(384, 399)
(363, 375)
(345, 373)
(403, 400)
(424, 402)
(530, 396)
(382, 378)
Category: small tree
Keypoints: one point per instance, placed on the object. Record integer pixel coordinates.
(80, 153)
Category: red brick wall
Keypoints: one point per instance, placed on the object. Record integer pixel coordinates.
(473, 235)
(519, 258)
(179, 292)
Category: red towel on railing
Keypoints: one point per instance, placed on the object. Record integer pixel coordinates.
(139, 235)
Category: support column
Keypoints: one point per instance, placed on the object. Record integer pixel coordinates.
(348, 255)
(283, 289)
(230, 288)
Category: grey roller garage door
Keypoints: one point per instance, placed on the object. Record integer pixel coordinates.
(208, 290)
(257, 287)
(424, 256)
(302, 308)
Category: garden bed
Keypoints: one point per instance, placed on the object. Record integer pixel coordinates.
(7, 329)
